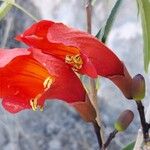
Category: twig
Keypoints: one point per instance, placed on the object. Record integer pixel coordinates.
(97, 131)
(93, 91)
(139, 139)
(145, 126)
(110, 138)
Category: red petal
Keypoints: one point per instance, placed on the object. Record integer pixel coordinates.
(36, 36)
(6, 55)
(124, 83)
(104, 60)
(67, 86)
(48, 36)
(22, 80)
(13, 106)
(18, 80)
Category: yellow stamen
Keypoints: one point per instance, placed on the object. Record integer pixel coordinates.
(32, 105)
(47, 83)
(75, 61)
(41, 108)
(34, 102)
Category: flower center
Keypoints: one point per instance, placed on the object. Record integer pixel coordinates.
(75, 61)
(34, 101)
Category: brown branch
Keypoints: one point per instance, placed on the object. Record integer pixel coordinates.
(110, 138)
(93, 91)
(97, 132)
(145, 126)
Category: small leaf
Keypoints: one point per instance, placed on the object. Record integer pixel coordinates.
(129, 146)
(144, 8)
(5, 8)
(104, 32)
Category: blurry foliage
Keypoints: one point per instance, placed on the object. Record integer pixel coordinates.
(5, 8)
(103, 33)
(144, 9)
(130, 146)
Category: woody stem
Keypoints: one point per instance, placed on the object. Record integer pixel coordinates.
(93, 90)
(145, 126)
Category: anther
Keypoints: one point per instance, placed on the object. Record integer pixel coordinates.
(34, 102)
(75, 61)
(47, 83)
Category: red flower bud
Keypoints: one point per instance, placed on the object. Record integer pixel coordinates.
(138, 87)
(124, 120)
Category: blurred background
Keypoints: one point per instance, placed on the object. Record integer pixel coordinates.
(60, 127)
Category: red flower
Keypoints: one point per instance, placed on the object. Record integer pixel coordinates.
(25, 82)
(82, 51)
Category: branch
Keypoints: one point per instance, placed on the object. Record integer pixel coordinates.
(139, 139)
(145, 126)
(93, 90)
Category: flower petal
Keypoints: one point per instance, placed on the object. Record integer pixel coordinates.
(6, 55)
(124, 83)
(13, 106)
(18, 80)
(25, 78)
(36, 36)
(104, 60)
(48, 36)
(67, 86)
(86, 110)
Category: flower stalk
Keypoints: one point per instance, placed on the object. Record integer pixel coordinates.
(93, 91)
(145, 125)
(110, 138)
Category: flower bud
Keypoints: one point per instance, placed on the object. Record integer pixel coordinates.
(138, 87)
(124, 120)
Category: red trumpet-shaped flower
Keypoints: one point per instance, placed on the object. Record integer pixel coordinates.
(25, 82)
(82, 51)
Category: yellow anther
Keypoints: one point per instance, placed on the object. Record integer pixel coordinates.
(41, 108)
(47, 83)
(32, 105)
(68, 58)
(34, 102)
(75, 61)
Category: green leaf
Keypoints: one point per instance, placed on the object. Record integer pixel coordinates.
(4, 9)
(104, 32)
(144, 8)
(6, 6)
(129, 146)
(25, 11)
